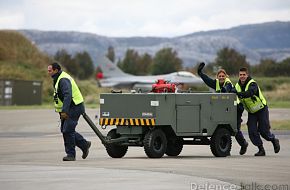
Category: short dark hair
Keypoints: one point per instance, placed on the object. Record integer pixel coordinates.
(244, 69)
(55, 65)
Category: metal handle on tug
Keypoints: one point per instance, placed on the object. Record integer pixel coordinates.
(105, 140)
(95, 129)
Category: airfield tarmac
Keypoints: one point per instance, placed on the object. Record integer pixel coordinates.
(31, 149)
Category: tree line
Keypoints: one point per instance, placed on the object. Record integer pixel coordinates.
(271, 68)
(231, 60)
(166, 60)
(80, 65)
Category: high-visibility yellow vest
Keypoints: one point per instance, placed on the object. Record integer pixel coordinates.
(252, 104)
(218, 88)
(76, 93)
(217, 85)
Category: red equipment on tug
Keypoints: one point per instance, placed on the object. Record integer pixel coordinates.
(162, 86)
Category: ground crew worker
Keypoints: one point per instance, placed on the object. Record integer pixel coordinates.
(223, 84)
(68, 102)
(255, 103)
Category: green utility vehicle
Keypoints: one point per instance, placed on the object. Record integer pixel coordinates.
(163, 122)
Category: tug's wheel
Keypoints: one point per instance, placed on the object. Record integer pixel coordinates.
(174, 146)
(221, 142)
(115, 150)
(155, 143)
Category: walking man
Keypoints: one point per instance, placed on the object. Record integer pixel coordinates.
(68, 102)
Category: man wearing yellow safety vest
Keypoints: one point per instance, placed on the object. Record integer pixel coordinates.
(68, 102)
(223, 84)
(255, 103)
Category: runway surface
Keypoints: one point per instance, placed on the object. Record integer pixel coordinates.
(31, 149)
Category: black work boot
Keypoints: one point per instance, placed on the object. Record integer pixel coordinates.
(86, 151)
(276, 145)
(261, 151)
(244, 147)
(69, 158)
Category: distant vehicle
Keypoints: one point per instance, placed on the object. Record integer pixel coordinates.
(112, 76)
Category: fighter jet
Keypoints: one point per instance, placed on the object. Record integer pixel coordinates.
(114, 77)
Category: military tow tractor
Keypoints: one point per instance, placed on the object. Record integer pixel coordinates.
(163, 123)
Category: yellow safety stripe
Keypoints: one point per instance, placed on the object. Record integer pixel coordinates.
(127, 121)
(147, 121)
(106, 121)
(117, 121)
(142, 122)
(131, 122)
(112, 121)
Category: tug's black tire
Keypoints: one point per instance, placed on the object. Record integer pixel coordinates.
(115, 150)
(155, 143)
(221, 142)
(174, 146)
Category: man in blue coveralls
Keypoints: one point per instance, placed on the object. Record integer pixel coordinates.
(255, 103)
(68, 102)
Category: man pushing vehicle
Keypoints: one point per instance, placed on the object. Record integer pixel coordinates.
(69, 103)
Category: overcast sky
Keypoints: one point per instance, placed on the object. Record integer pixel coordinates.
(125, 18)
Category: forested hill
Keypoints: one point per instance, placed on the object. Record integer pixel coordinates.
(19, 58)
(256, 41)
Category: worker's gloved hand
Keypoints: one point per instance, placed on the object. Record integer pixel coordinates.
(240, 108)
(63, 116)
(200, 67)
(223, 90)
(233, 90)
(240, 94)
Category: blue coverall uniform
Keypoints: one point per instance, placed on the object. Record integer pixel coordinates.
(258, 123)
(70, 136)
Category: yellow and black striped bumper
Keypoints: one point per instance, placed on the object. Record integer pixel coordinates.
(127, 121)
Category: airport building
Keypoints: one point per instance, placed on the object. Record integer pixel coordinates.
(20, 92)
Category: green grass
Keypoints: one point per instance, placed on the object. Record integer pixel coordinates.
(280, 125)
(275, 125)
(278, 104)
(21, 70)
(25, 107)
(43, 106)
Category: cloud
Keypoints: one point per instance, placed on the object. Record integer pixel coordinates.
(11, 20)
(233, 18)
(139, 18)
